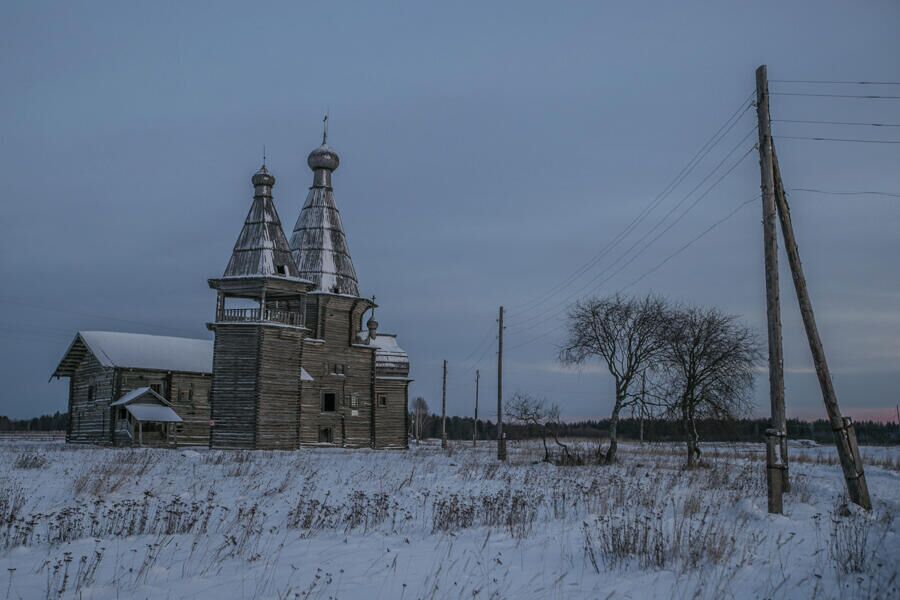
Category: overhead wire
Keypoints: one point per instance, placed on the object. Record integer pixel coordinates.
(846, 193)
(830, 82)
(518, 327)
(855, 123)
(704, 150)
(858, 96)
(831, 139)
(695, 160)
(655, 268)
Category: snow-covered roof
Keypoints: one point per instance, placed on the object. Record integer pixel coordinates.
(305, 376)
(388, 353)
(135, 394)
(153, 412)
(138, 351)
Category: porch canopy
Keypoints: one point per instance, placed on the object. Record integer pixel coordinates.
(145, 405)
(152, 412)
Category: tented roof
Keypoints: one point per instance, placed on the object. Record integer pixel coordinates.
(138, 351)
(261, 249)
(319, 245)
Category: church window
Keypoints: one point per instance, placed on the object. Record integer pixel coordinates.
(382, 400)
(90, 392)
(325, 435)
(329, 402)
(280, 269)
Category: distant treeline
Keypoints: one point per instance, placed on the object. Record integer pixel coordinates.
(656, 430)
(55, 422)
(664, 430)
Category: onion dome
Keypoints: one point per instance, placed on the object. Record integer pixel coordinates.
(263, 177)
(323, 157)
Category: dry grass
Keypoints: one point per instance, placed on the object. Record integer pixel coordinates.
(31, 460)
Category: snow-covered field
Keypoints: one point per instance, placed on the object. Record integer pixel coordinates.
(81, 522)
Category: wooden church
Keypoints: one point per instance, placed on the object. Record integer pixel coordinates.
(295, 362)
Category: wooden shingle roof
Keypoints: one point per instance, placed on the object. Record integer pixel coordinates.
(318, 242)
(262, 249)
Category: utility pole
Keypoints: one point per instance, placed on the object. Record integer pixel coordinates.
(641, 405)
(776, 436)
(844, 434)
(501, 439)
(444, 409)
(475, 424)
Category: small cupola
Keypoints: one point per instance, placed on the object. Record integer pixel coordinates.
(372, 326)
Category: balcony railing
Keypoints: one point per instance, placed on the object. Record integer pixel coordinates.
(254, 315)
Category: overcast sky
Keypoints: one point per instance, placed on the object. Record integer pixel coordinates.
(487, 152)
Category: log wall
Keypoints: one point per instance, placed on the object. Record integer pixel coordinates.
(391, 413)
(338, 367)
(278, 405)
(234, 386)
(90, 418)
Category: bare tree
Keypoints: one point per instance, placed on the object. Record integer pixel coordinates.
(420, 416)
(707, 368)
(627, 334)
(526, 410)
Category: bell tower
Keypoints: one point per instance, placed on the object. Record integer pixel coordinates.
(259, 330)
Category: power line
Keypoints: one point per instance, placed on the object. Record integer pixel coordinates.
(691, 243)
(836, 123)
(861, 96)
(645, 236)
(713, 141)
(477, 362)
(830, 139)
(822, 81)
(835, 193)
(478, 345)
(656, 267)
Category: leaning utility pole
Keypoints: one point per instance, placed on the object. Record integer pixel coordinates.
(844, 434)
(444, 409)
(475, 424)
(501, 439)
(776, 467)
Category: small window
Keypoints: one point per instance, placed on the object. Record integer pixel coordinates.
(382, 400)
(325, 435)
(338, 369)
(354, 401)
(156, 387)
(329, 402)
(280, 269)
(91, 392)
